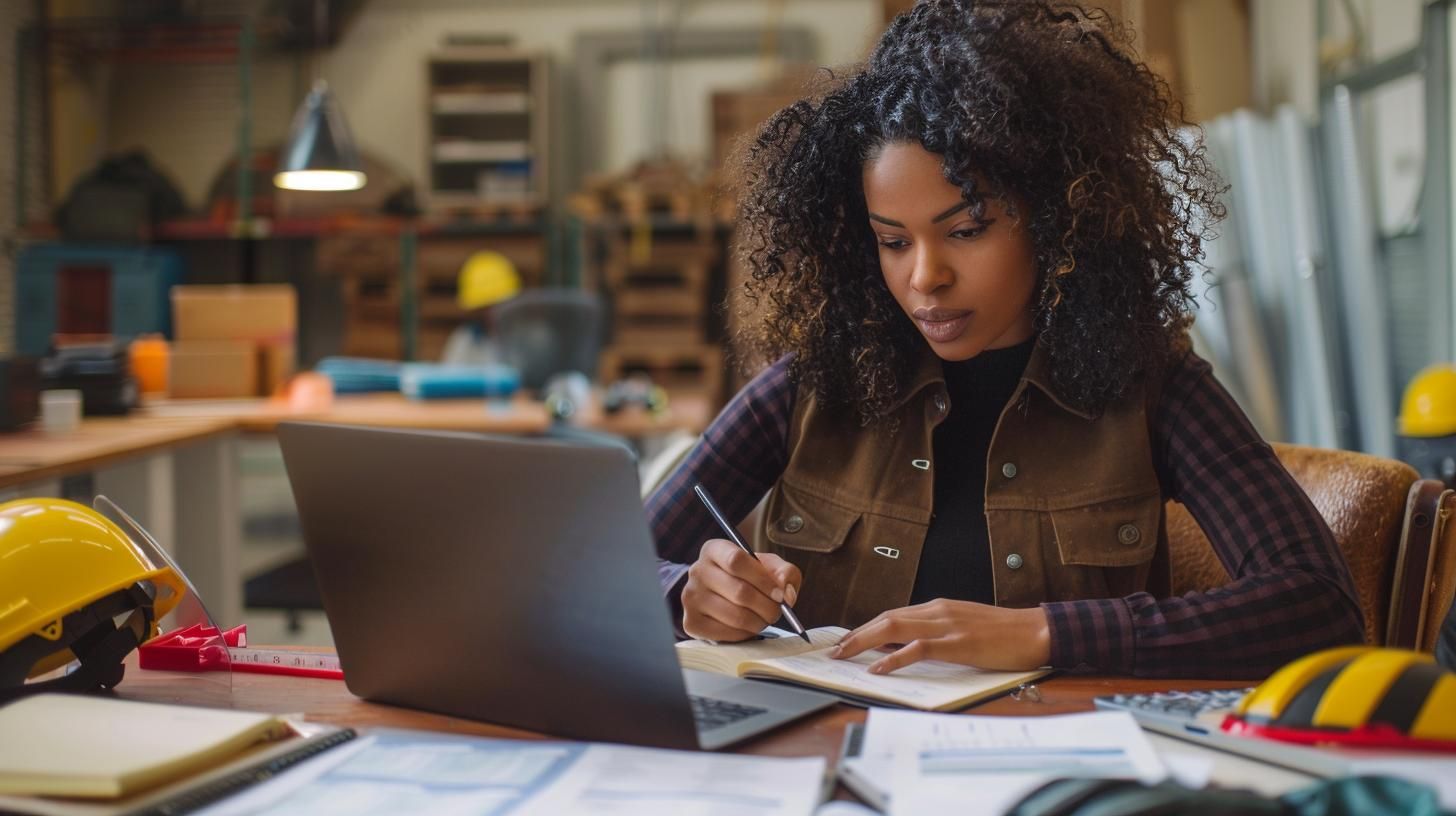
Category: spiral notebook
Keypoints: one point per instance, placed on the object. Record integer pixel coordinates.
(71, 755)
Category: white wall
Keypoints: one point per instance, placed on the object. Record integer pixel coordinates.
(1285, 55)
(1286, 70)
(187, 115)
(1287, 52)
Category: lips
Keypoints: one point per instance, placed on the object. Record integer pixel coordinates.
(941, 325)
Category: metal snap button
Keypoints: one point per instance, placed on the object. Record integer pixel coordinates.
(940, 405)
(1013, 561)
(1129, 534)
(793, 524)
(1009, 470)
(920, 464)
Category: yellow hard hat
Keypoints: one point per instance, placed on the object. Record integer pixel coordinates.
(487, 278)
(1357, 696)
(66, 574)
(1429, 405)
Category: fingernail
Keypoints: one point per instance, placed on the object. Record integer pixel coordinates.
(778, 595)
(792, 594)
(877, 668)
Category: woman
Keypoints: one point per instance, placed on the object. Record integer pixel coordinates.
(972, 260)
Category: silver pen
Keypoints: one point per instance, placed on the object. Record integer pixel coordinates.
(728, 529)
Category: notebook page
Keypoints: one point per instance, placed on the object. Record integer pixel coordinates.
(75, 745)
(928, 684)
(725, 657)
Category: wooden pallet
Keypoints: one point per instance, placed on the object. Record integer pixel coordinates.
(372, 297)
(347, 253)
(383, 339)
(684, 267)
(684, 281)
(476, 211)
(638, 333)
(372, 338)
(651, 191)
(696, 368)
(631, 302)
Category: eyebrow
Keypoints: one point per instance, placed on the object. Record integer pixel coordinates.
(936, 220)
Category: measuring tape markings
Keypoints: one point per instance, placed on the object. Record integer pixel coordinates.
(285, 661)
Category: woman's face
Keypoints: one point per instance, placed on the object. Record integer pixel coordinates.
(965, 283)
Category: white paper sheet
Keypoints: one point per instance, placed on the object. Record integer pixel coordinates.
(614, 779)
(967, 764)
(390, 772)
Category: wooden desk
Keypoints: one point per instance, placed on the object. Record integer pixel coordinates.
(172, 464)
(515, 416)
(32, 455)
(175, 475)
(518, 415)
(817, 735)
(820, 734)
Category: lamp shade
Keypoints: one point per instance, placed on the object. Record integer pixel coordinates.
(320, 152)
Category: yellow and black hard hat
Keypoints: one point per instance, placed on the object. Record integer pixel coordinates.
(1355, 695)
(68, 574)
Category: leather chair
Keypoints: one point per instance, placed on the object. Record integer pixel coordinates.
(1367, 502)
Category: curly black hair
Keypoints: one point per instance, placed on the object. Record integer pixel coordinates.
(1038, 103)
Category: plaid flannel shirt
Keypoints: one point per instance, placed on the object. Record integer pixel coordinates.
(1290, 591)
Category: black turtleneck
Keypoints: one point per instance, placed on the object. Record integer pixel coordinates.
(956, 560)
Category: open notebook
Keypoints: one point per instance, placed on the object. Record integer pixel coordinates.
(929, 685)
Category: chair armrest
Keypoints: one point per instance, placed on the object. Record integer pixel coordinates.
(1414, 563)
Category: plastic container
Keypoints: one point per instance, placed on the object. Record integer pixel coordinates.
(149, 363)
(60, 410)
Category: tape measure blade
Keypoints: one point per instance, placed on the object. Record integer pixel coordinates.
(284, 657)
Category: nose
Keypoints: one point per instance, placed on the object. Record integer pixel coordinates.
(931, 271)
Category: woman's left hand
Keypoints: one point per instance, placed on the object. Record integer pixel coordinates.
(987, 637)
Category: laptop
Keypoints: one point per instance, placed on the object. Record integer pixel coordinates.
(507, 580)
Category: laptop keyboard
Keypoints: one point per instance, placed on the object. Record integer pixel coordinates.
(710, 712)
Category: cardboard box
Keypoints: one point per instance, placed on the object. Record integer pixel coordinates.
(276, 363)
(264, 313)
(213, 369)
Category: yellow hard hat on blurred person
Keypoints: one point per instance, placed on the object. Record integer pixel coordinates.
(1429, 405)
(487, 278)
(67, 574)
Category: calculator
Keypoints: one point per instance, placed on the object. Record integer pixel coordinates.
(1197, 716)
(1200, 712)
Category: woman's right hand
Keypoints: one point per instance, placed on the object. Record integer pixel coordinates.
(730, 596)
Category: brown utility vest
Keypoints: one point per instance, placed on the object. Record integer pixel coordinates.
(1073, 504)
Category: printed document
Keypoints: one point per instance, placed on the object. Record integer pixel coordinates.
(963, 764)
(391, 772)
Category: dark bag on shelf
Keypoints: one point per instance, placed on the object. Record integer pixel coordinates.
(120, 200)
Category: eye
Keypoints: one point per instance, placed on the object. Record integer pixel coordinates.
(891, 242)
(968, 233)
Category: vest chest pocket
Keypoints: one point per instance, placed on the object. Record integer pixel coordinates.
(1118, 533)
(811, 532)
(798, 520)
